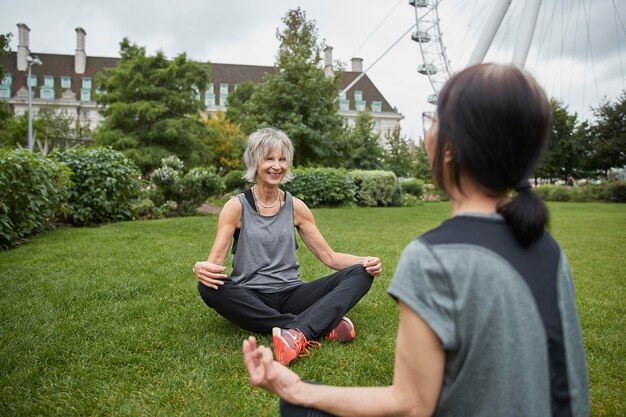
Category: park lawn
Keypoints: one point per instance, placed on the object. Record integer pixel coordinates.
(108, 321)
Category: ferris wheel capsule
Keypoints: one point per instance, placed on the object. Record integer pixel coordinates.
(432, 99)
(419, 3)
(421, 36)
(427, 69)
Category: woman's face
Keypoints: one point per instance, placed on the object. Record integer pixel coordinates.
(272, 168)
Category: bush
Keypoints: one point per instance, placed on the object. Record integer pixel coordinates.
(582, 194)
(409, 200)
(195, 187)
(33, 189)
(105, 183)
(374, 188)
(414, 187)
(322, 186)
(173, 162)
(559, 193)
(616, 191)
(234, 181)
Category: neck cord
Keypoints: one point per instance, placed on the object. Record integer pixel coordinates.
(263, 205)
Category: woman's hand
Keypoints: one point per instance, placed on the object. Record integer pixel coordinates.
(264, 372)
(373, 266)
(209, 274)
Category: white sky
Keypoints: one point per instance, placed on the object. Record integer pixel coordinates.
(569, 34)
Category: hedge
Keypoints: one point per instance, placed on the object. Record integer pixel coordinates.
(375, 188)
(322, 186)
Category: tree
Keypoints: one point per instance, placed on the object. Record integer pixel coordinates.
(399, 156)
(608, 136)
(421, 167)
(298, 98)
(562, 158)
(5, 114)
(236, 111)
(229, 142)
(151, 107)
(364, 151)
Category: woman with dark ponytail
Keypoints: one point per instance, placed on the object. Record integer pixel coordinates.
(488, 320)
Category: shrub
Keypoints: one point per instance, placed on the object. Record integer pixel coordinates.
(322, 186)
(105, 183)
(374, 188)
(234, 180)
(559, 193)
(582, 194)
(409, 200)
(173, 162)
(543, 191)
(414, 187)
(617, 191)
(196, 186)
(33, 189)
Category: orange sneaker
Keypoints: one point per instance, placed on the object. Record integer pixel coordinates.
(344, 332)
(290, 344)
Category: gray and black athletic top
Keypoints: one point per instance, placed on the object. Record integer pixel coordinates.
(265, 255)
(505, 315)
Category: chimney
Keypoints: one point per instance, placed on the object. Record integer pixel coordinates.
(328, 61)
(357, 64)
(80, 59)
(22, 47)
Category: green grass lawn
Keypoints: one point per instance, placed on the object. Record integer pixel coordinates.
(108, 321)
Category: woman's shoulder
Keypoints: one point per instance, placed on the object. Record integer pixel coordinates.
(232, 208)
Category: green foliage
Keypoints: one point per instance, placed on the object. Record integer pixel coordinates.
(33, 189)
(607, 136)
(322, 186)
(421, 168)
(234, 181)
(298, 98)
(363, 149)
(170, 184)
(617, 191)
(374, 188)
(105, 183)
(236, 111)
(151, 108)
(413, 187)
(409, 200)
(5, 48)
(399, 154)
(563, 156)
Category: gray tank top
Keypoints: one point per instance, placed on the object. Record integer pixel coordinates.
(265, 259)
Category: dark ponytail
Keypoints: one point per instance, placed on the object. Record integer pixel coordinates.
(526, 214)
(496, 121)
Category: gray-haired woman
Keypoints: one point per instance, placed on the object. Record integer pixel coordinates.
(264, 292)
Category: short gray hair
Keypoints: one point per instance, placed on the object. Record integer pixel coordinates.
(261, 143)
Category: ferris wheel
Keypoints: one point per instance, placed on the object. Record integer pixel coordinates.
(428, 35)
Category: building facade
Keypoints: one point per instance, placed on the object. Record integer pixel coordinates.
(66, 83)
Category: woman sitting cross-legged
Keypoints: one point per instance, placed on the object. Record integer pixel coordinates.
(264, 292)
(488, 321)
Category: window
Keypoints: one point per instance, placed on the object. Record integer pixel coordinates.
(344, 104)
(48, 81)
(377, 106)
(360, 105)
(85, 94)
(342, 95)
(224, 101)
(223, 89)
(358, 95)
(209, 99)
(86, 83)
(32, 81)
(7, 80)
(46, 93)
(5, 91)
(209, 89)
(66, 82)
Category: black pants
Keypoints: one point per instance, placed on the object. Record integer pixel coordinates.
(314, 308)
(290, 410)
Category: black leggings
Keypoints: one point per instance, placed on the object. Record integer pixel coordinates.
(314, 308)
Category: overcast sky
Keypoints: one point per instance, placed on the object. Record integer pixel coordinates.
(578, 52)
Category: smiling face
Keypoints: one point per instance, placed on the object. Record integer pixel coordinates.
(272, 168)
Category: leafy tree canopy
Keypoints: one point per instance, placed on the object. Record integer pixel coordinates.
(151, 106)
(608, 135)
(298, 98)
(399, 156)
(229, 142)
(364, 150)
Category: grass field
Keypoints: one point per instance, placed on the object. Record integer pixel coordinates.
(107, 321)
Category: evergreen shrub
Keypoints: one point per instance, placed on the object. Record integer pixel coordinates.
(374, 188)
(413, 187)
(322, 186)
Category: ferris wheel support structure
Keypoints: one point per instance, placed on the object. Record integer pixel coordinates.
(436, 64)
